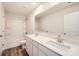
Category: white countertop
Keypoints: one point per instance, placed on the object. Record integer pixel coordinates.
(72, 51)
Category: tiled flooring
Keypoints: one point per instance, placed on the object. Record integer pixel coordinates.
(17, 51)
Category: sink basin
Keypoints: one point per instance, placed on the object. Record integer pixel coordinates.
(60, 46)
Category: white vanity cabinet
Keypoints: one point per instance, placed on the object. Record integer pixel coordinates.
(40, 50)
(34, 48)
(29, 46)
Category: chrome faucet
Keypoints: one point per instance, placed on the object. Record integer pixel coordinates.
(59, 39)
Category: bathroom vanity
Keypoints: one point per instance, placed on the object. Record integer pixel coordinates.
(45, 46)
(35, 48)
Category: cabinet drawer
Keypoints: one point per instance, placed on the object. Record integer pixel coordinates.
(48, 51)
(29, 39)
(35, 43)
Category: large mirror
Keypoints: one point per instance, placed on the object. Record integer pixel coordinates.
(64, 21)
(71, 24)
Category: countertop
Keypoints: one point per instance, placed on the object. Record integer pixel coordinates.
(72, 51)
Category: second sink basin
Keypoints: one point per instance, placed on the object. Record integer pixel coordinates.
(60, 46)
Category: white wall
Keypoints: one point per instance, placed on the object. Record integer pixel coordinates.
(54, 22)
(15, 29)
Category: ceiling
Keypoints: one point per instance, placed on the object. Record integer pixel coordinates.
(23, 8)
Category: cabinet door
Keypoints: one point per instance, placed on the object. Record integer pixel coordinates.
(41, 53)
(35, 50)
(29, 47)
